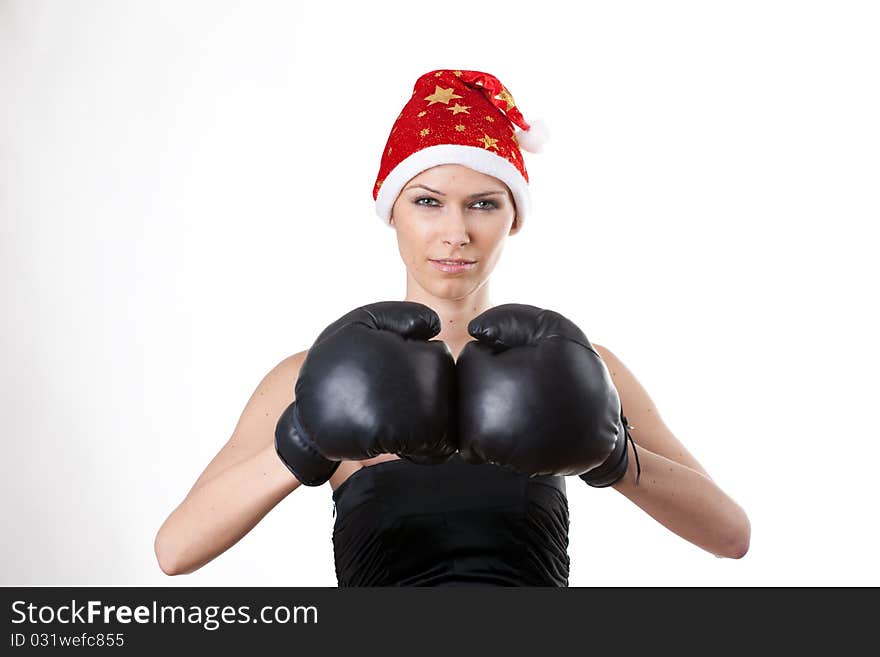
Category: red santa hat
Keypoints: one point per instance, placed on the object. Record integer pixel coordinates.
(458, 117)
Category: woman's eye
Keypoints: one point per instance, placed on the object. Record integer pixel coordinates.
(431, 202)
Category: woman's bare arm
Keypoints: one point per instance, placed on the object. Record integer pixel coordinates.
(674, 488)
(687, 503)
(242, 483)
(218, 513)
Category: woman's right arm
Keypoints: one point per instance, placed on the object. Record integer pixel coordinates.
(244, 481)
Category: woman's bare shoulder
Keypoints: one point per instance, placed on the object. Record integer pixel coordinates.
(277, 389)
(293, 363)
(277, 386)
(648, 426)
(255, 428)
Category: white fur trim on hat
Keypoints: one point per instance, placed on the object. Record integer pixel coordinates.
(474, 157)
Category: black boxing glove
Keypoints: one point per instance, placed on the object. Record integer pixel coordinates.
(615, 466)
(372, 383)
(535, 397)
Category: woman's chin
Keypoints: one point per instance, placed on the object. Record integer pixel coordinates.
(452, 288)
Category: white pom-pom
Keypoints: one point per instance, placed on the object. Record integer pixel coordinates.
(533, 139)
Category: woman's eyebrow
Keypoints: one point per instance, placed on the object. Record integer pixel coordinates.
(478, 194)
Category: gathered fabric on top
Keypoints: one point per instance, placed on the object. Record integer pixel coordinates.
(455, 524)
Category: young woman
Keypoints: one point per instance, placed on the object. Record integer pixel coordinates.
(479, 495)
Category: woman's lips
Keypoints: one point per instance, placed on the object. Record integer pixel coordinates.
(452, 266)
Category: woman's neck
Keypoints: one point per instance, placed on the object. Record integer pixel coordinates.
(455, 314)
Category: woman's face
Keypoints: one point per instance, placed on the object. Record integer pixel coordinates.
(452, 212)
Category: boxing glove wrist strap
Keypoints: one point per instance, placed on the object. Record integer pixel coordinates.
(616, 464)
(299, 453)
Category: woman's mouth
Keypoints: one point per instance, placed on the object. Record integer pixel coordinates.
(453, 266)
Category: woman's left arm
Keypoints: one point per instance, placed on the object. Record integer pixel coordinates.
(674, 488)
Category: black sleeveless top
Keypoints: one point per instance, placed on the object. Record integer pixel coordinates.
(454, 524)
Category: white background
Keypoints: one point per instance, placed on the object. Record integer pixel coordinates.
(185, 193)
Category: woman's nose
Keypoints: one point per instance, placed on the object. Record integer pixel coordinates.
(454, 227)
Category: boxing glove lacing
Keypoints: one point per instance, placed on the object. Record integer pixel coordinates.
(626, 429)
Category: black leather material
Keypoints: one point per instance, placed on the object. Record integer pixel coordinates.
(297, 451)
(534, 395)
(372, 383)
